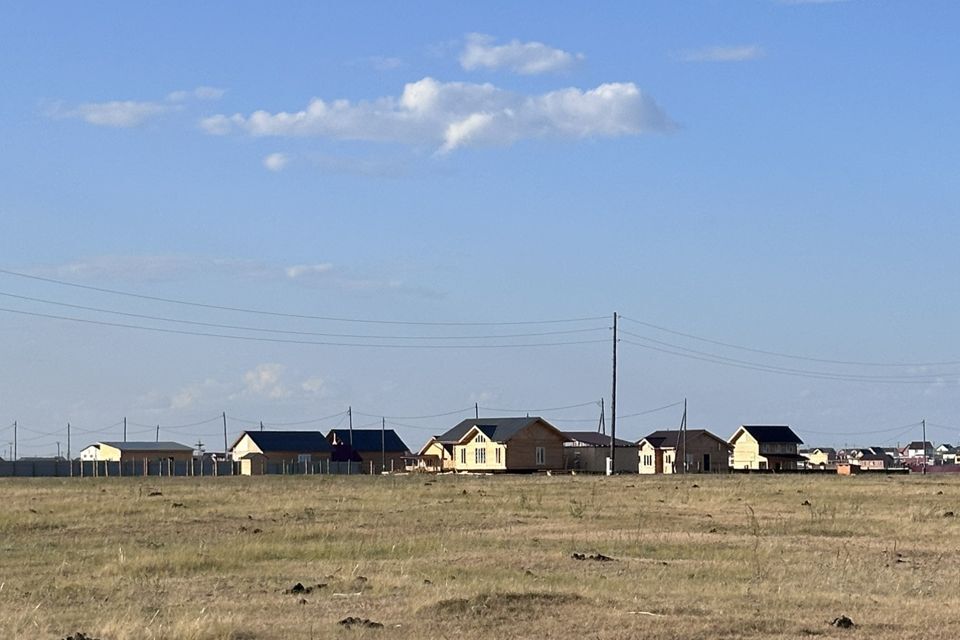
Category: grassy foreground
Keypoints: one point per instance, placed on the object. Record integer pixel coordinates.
(480, 557)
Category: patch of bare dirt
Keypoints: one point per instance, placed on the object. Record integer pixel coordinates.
(510, 605)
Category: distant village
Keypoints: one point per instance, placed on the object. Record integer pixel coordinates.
(491, 445)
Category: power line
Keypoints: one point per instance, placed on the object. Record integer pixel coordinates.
(291, 315)
(781, 354)
(288, 424)
(802, 373)
(435, 415)
(912, 425)
(648, 411)
(290, 341)
(571, 406)
(217, 325)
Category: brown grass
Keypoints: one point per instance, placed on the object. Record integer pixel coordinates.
(479, 557)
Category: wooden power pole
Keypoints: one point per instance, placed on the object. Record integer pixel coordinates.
(613, 402)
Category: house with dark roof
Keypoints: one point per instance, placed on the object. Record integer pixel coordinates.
(765, 447)
(498, 445)
(820, 457)
(588, 451)
(375, 450)
(676, 451)
(258, 451)
(917, 452)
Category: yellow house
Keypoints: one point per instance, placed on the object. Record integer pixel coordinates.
(765, 447)
(288, 447)
(435, 456)
(502, 444)
(820, 458)
(139, 451)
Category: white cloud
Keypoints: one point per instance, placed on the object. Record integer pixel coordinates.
(740, 53)
(450, 115)
(521, 57)
(301, 270)
(276, 162)
(265, 381)
(199, 93)
(166, 268)
(116, 113)
(384, 63)
(314, 386)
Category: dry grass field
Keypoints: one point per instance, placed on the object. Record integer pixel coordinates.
(480, 557)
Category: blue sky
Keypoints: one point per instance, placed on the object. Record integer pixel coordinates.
(775, 175)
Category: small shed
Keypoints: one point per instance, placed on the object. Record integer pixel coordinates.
(588, 451)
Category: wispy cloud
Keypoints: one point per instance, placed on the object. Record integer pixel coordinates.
(265, 381)
(526, 58)
(114, 113)
(133, 113)
(739, 53)
(276, 162)
(451, 115)
(199, 93)
(162, 268)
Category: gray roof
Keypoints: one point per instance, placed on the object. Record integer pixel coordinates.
(497, 429)
(147, 446)
(594, 439)
(673, 437)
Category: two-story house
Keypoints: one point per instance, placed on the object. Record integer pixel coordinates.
(765, 447)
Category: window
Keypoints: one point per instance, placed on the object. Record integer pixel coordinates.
(480, 456)
(480, 438)
(463, 455)
(303, 458)
(541, 456)
(498, 455)
(647, 460)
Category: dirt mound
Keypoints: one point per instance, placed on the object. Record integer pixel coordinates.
(596, 557)
(80, 636)
(513, 605)
(351, 622)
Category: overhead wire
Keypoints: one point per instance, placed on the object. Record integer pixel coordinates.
(291, 315)
(781, 354)
(740, 364)
(290, 341)
(217, 325)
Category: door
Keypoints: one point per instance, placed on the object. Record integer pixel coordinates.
(658, 462)
(706, 463)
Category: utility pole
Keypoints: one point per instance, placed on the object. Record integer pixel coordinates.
(261, 425)
(383, 445)
(923, 424)
(158, 433)
(124, 428)
(14, 440)
(58, 448)
(601, 427)
(224, 414)
(613, 401)
(684, 435)
(350, 421)
(68, 441)
(476, 410)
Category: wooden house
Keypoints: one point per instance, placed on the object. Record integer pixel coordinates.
(286, 447)
(503, 444)
(663, 452)
(765, 447)
(376, 450)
